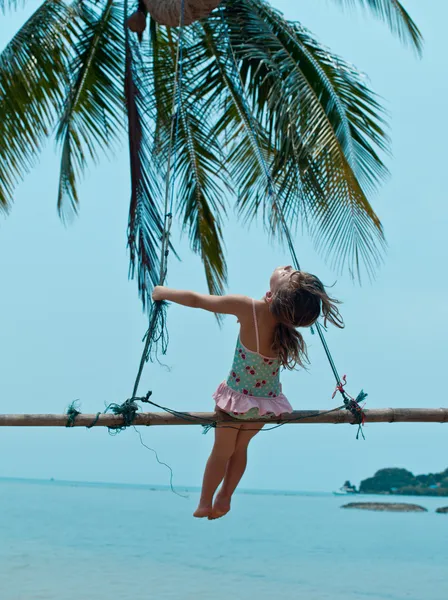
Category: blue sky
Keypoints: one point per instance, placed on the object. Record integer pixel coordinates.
(71, 324)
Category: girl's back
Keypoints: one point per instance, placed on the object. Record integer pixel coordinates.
(261, 316)
(253, 385)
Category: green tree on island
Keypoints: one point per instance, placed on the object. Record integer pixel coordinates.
(74, 67)
(402, 481)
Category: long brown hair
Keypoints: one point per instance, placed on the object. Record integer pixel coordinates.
(299, 302)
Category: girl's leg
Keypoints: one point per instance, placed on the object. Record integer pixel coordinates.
(224, 446)
(235, 469)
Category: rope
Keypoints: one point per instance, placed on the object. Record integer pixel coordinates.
(212, 423)
(164, 464)
(156, 334)
(72, 413)
(95, 421)
(349, 403)
(129, 411)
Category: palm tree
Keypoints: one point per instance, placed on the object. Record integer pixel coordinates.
(264, 111)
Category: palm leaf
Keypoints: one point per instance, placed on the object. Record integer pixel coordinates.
(317, 127)
(200, 196)
(92, 117)
(146, 218)
(160, 49)
(246, 143)
(33, 69)
(351, 108)
(251, 154)
(396, 17)
(9, 5)
(298, 127)
(198, 156)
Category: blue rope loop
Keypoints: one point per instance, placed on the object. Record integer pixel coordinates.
(128, 410)
(95, 421)
(72, 412)
(206, 428)
(353, 406)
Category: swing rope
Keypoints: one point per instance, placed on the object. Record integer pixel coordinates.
(350, 403)
(156, 334)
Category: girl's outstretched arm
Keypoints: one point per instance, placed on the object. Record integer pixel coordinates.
(227, 305)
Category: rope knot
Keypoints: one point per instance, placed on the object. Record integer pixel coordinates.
(72, 413)
(352, 404)
(128, 411)
(340, 387)
(147, 397)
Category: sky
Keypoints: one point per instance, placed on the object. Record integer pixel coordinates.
(71, 323)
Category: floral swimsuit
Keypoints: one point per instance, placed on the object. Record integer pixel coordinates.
(253, 386)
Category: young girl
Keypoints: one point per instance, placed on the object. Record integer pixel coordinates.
(268, 341)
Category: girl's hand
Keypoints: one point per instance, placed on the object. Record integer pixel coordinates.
(158, 293)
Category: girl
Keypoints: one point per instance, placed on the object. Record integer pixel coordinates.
(268, 341)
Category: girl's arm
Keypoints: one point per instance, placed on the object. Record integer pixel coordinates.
(228, 305)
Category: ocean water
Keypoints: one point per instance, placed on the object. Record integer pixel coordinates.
(73, 541)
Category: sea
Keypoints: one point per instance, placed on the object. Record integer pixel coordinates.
(74, 541)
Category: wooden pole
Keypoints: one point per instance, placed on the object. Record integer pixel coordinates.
(381, 415)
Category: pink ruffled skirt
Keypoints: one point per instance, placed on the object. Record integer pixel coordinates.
(242, 405)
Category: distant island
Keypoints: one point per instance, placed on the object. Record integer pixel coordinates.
(403, 482)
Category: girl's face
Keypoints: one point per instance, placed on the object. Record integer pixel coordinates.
(278, 277)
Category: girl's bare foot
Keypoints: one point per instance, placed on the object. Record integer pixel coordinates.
(203, 511)
(221, 506)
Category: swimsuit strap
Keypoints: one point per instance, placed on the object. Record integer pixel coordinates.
(256, 326)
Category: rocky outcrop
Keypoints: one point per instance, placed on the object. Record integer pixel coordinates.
(443, 510)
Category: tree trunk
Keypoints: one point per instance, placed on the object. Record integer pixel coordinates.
(168, 12)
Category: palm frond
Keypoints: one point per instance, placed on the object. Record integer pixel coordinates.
(93, 114)
(146, 218)
(352, 109)
(160, 50)
(198, 157)
(299, 128)
(250, 153)
(10, 5)
(200, 196)
(33, 77)
(393, 13)
(245, 141)
(318, 128)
